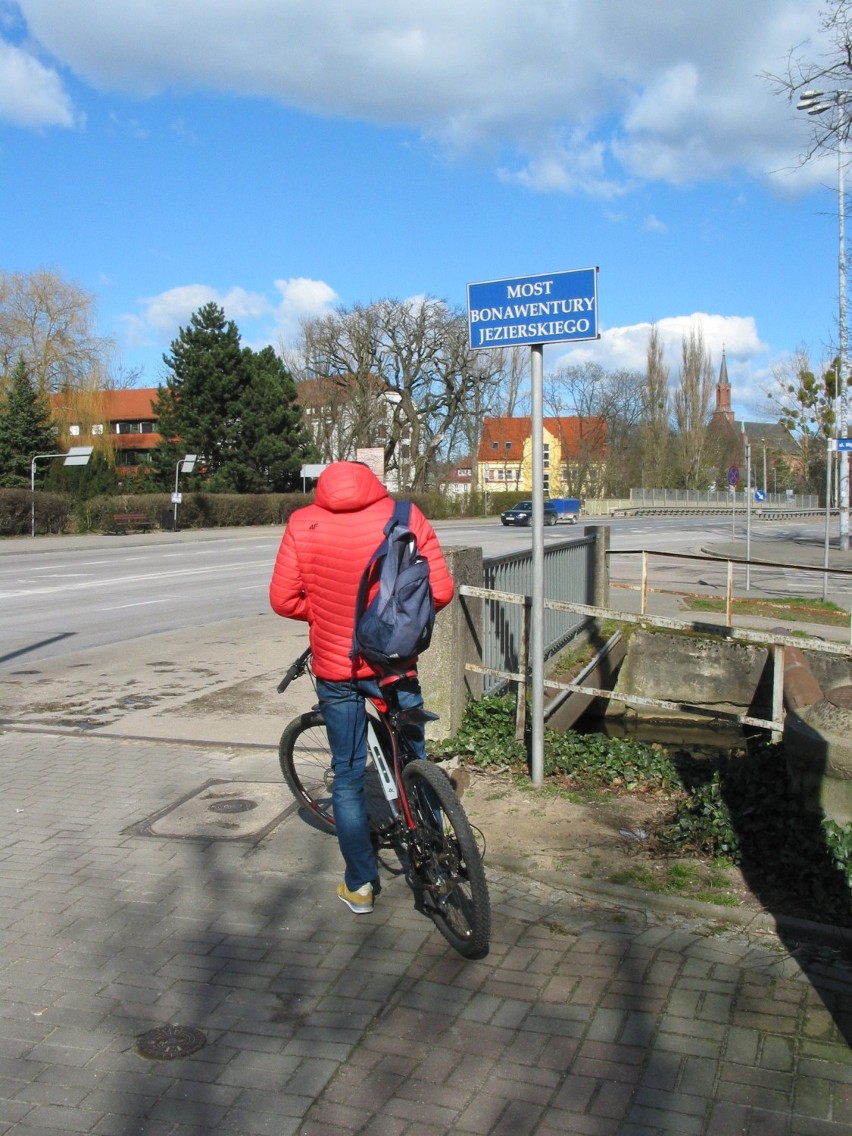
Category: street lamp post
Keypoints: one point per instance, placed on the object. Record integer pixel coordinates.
(816, 103)
(185, 465)
(77, 455)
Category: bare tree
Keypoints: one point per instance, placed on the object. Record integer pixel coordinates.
(49, 322)
(804, 401)
(592, 394)
(656, 415)
(830, 75)
(692, 399)
(406, 366)
(339, 381)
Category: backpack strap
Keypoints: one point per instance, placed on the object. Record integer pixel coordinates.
(399, 516)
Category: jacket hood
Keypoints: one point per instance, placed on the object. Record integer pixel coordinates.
(344, 487)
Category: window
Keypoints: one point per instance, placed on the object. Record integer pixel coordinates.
(508, 445)
(98, 428)
(546, 455)
(545, 483)
(74, 429)
(133, 457)
(495, 445)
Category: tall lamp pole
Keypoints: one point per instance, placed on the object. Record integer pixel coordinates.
(815, 103)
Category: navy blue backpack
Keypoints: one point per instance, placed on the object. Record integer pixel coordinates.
(396, 625)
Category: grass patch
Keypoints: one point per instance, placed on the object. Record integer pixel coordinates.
(792, 608)
(690, 881)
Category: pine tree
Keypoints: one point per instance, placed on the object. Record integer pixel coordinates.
(234, 407)
(199, 404)
(26, 428)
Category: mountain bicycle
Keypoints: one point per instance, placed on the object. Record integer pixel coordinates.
(412, 808)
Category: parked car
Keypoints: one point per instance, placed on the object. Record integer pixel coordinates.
(521, 514)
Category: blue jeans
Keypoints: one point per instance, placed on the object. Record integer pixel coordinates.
(342, 707)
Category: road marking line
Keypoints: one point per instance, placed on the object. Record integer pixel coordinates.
(141, 603)
(120, 580)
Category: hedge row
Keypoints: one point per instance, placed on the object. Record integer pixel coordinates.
(60, 513)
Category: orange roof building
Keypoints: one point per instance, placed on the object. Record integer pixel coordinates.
(122, 422)
(571, 448)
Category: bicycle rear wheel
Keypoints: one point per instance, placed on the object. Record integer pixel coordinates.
(449, 866)
(305, 759)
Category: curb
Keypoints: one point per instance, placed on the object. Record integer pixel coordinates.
(784, 926)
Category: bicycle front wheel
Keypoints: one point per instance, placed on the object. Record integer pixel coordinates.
(306, 763)
(448, 865)
(305, 760)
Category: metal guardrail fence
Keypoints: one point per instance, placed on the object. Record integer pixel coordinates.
(504, 610)
(674, 497)
(568, 577)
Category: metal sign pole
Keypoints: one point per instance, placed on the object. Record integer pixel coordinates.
(748, 514)
(552, 307)
(828, 464)
(537, 613)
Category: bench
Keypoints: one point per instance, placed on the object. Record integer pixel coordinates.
(127, 522)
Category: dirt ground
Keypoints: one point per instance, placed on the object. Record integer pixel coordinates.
(536, 830)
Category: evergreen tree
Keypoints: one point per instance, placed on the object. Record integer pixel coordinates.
(26, 428)
(96, 477)
(199, 406)
(234, 407)
(271, 442)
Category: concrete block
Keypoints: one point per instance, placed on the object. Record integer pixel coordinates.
(679, 668)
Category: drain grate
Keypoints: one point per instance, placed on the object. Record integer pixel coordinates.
(232, 805)
(168, 1043)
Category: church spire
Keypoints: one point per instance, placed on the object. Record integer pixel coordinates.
(723, 411)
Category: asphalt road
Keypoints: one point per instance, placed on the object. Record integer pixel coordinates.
(62, 595)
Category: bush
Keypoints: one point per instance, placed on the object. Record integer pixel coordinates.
(62, 512)
(52, 512)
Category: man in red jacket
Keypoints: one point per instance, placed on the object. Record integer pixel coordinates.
(324, 551)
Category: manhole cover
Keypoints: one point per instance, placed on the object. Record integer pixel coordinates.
(167, 1043)
(234, 805)
(841, 696)
(222, 810)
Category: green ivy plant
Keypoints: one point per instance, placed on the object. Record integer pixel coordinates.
(735, 807)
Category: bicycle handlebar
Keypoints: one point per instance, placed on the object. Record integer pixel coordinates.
(295, 670)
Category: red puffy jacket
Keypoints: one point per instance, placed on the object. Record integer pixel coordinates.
(323, 554)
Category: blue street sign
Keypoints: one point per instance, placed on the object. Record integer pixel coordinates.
(547, 308)
(733, 475)
(759, 495)
(844, 443)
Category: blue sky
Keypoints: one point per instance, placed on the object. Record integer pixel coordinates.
(283, 156)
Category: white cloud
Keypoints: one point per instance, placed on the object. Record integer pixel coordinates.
(164, 314)
(585, 98)
(626, 347)
(262, 322)
(653, 224)
(30, 93)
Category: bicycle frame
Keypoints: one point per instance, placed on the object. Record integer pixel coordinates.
(390, 776)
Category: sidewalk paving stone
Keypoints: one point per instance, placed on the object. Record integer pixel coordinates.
(587, 1016)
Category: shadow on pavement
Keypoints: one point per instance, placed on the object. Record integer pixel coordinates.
(785, 859)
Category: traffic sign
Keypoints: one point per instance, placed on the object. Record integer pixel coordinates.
(759, 495)
(733, 475)
(547, 308)
(844, 443)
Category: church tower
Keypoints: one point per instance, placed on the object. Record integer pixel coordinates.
(723, 411)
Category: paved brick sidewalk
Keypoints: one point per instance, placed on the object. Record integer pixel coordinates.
(584, 1018)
